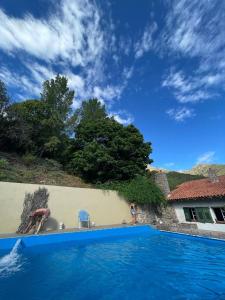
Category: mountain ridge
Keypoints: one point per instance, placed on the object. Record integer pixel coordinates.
(200, 169)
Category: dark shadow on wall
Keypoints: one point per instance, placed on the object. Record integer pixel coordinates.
(50, 224)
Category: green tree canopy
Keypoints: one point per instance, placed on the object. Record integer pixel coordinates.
(40, 126)
(90, 110)
(58, 99)
(24, 125)
(106, 150)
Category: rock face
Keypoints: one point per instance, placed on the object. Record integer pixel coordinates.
(161, 180)
(203, 169)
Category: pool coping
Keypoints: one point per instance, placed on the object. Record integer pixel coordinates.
(75, 236)
(192, 235)
(70, 230)
(53, 238)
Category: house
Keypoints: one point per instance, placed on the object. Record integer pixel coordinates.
(201, 202)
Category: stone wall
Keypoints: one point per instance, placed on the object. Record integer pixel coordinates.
(168, 215)
(146, 215)
(165, 215)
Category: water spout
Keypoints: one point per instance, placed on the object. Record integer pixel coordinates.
(11, 262)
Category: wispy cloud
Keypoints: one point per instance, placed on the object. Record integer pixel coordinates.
(187, 89)
(71, 33)
(146, 42)
(181, 113)
(206, 157)
(194, 31)
(73, 40)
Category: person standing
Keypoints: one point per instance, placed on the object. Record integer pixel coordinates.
(133, 212)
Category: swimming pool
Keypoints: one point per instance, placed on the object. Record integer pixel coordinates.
(131, 264)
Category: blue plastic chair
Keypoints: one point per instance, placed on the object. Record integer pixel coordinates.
(84, 219)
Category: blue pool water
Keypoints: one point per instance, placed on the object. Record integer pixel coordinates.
(144, 266)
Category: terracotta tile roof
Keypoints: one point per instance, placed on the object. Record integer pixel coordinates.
(198, 189)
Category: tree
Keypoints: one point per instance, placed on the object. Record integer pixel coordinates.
(57, 98)
(4, 98)
(106, 150)
(24, 128)
(90, 110)
(39, 126)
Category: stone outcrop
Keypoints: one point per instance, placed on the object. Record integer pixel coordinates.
(161, 180)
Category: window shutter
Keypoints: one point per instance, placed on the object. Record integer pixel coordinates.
(187, 214)
(203, 215)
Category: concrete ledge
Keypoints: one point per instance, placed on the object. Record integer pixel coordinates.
(192, 236)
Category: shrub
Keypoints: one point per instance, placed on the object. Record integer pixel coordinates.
(29, 159)
(140, 190)
(53, 165)
(4, 163)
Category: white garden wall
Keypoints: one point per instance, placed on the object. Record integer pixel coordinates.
(105, 207)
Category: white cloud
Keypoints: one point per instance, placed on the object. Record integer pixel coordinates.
(146, 41)
(128, 72)
(72, 33)
(108, 93)
(122, 117)
(180, 114)
(206, 157)
(26, 85)
(189, 88)
(186, 24)
(194, 31)
(71, 41)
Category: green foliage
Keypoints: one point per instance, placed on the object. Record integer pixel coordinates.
(4, 98)
(24, 131)
(4, 163)
(40, 126)
(99, 150)
(57, 99)
(140, 190)
(106, 150)
(29, 159)
(52, 145)
(89, 111)
(176, 178)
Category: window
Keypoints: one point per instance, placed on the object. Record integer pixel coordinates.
(220, 214)
(198, 214)
(190, 214)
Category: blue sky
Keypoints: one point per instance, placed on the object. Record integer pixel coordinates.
(158, 64)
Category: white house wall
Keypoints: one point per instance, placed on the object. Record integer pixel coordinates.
(178, 207)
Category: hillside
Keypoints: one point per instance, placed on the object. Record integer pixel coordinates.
(202, 169)
(176, 178)
(28, 169)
